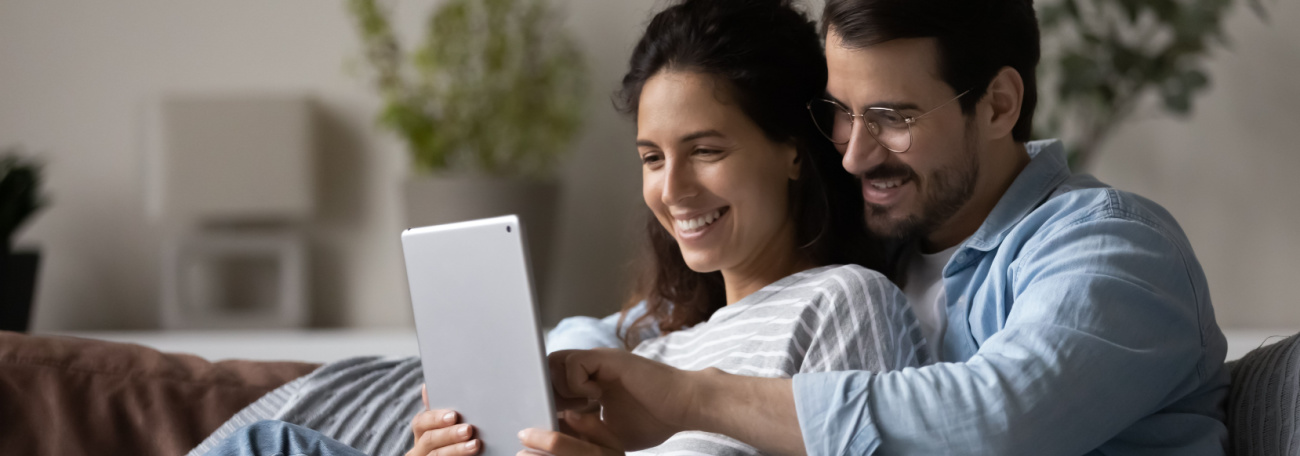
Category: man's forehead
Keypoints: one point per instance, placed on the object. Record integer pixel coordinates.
(883, 71)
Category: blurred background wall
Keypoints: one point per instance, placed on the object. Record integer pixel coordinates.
(77, 78)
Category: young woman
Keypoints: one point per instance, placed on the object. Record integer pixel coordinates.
(757, 255)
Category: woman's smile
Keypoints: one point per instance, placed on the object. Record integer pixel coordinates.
(694, 226)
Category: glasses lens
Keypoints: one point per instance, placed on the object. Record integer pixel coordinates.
(890, 128)
(834, 122)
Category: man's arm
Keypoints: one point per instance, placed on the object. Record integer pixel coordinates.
(644, 402)
(757, 411)
(1106, 330)
(1096, 341)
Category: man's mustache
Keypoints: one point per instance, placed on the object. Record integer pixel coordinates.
(889, 171)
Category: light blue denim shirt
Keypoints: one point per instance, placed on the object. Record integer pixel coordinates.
(1079, 322)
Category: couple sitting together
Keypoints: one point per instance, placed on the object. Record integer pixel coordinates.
(852, 249)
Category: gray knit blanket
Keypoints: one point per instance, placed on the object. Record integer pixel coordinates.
(1264, 405)
(366, 403)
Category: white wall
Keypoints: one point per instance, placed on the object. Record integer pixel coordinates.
(77, 75)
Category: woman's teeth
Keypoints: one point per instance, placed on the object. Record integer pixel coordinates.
(883, 185)
(699, 222)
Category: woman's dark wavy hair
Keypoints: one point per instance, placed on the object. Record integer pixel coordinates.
(768, 57)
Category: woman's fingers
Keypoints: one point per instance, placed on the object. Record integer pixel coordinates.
(558, 444)
(432, 419)
(450, 441)
(437, 434)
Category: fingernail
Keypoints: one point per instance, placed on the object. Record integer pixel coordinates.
(449, 417)
(463, 431)
(521, 434)
(472, 444)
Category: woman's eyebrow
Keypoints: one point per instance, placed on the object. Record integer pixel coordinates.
(684, 138)
(701, 134)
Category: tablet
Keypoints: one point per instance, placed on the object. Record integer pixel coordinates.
(476, 322)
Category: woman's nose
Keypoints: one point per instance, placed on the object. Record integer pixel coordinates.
(679, 182)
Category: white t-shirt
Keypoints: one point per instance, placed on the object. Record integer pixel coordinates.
(925, 293)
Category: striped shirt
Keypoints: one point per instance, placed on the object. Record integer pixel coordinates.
(830, 318)
(824, 319)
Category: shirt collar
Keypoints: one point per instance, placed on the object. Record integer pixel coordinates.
(1046, 170)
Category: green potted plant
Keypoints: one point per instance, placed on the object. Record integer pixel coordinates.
(486, 105)
(20, 182)
(1102, 58)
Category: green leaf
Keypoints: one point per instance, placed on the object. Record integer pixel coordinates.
(1176, 96)
(1132, 9)
(496, 85)
(1101, 66)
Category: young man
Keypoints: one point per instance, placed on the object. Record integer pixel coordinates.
(1070, 318)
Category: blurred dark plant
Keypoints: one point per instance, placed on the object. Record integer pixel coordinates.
(497, 85)
(20, 194)
(1102, 57)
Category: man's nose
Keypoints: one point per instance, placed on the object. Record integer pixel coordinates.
(863, 152)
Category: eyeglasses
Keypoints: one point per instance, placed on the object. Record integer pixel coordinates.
(890, 128)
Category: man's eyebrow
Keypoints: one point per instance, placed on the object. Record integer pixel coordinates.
(646, 143)
(828, 96)
(895, 105)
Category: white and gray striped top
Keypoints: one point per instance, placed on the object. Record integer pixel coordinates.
(831, 318)
(823, 319)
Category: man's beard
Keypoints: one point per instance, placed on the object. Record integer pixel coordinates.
(947, 190)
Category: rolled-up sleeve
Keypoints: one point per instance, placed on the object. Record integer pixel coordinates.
(832, 409)
(1107, 329)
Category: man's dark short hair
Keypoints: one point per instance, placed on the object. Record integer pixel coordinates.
(976, 39)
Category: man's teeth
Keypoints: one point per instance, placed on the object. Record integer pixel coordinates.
(699, 222)
(883, 185)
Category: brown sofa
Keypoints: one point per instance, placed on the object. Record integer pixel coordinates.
(70, 396)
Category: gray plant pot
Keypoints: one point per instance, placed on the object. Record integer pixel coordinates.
(447, 199)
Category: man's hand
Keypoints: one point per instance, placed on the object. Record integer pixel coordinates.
(584, 434)
(642, 402)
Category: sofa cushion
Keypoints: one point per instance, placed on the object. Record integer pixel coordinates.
(64, 395)
(1264, 403)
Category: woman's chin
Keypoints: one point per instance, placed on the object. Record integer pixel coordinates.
(701, 263)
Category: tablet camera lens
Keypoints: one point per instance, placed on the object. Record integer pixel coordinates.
(507, 229)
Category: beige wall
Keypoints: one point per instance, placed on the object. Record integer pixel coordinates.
(1228, 173)
(76, 78)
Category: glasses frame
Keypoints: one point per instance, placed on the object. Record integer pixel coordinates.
(853, 120)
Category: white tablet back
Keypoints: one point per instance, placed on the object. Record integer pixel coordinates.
(476, 321)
